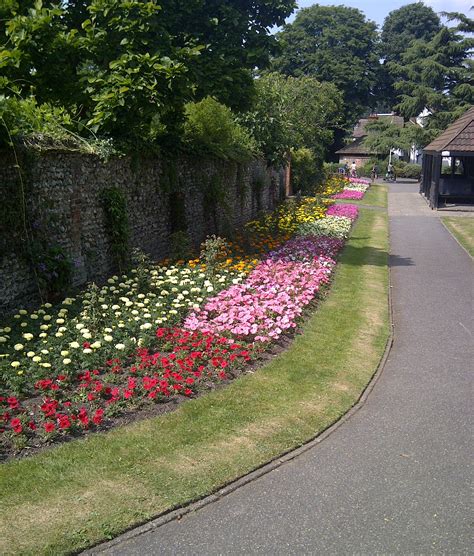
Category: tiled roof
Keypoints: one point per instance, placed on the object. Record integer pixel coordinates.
(459, 137)
(359, 129)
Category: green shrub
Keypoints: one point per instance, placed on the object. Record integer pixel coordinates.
(211, 128)
(407, 170)
(306, 170)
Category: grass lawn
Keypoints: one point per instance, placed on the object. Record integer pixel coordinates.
(376, 196)
(79, 493)
(462, 229)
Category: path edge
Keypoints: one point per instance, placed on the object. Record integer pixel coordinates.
(195, 505)
(455, 238)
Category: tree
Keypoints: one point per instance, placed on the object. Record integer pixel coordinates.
(335, 44)
(382, 136)
(291, 113)
(401, 27)
(437, 75)
(126, 68)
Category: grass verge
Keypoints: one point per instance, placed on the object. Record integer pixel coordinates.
(376, 196)
(462, 228)
(80, 493)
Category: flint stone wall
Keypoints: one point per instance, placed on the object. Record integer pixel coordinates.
(63, 198)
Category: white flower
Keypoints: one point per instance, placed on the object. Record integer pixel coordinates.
(28, 336)
(87, 350)
(15, 364)
(96, 345)
(46, 365)
(107, 330)
(18, 347)
(79, 325)
(120, 346)
(43, 335)
(74, 345)
(45, 351)
(108, 338)
(59, 321)
(30, 354)
(7, 329)
(59, 334)
(121, 325)
(66, 361)
(115, 307)
(44, 327)
(48, 305)
(36, 358)
(2, 339)
(104, 307)
(24, 324)
(87, 335)
(62, 329)
(22, 312)
(47, 317)
(146, 326)
(33, 316)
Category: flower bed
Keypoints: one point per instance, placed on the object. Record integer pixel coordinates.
(331, 226)
(347, 210)
(348, 194)
(162, 333)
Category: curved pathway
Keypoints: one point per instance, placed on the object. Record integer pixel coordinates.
(394, 478)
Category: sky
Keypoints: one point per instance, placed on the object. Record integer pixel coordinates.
(377, 10)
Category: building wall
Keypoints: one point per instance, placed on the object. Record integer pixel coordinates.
(64, 207)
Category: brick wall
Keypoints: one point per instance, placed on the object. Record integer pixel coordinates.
(63, 198)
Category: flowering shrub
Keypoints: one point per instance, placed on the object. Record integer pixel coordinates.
(349, 211)
(331, 226)
(348, 194)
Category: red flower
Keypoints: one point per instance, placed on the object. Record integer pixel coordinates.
(32, 425)
(98, 416)
(49, 426)
(13, 403)
(16, 426)
(127, 394)
(86, 345)
(188, 392)
(64, 422)
(61, 377)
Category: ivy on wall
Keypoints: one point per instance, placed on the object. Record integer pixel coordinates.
(116, 222)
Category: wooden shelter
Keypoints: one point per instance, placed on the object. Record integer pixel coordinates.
(448, 164)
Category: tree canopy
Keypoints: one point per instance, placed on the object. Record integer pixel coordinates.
(335, 44)
(126, 68)
(437, 75)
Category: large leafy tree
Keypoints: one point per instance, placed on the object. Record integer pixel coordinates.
(437, 75)
(401, 27)
(292, 113)
(126, 68)
(335, 44)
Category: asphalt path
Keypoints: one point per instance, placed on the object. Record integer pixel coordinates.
(393, 479)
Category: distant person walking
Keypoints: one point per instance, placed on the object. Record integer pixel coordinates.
(353, 169)
(374, 173)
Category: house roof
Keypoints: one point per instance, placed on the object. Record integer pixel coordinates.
(458, 137)
(355, 148)
(359, 129)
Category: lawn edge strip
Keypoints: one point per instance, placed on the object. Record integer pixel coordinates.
(195, 505)
(446, 224)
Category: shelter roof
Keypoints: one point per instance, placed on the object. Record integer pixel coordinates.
(458, 137)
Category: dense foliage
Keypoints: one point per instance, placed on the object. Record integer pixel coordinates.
(125, 69)
(335, 44)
